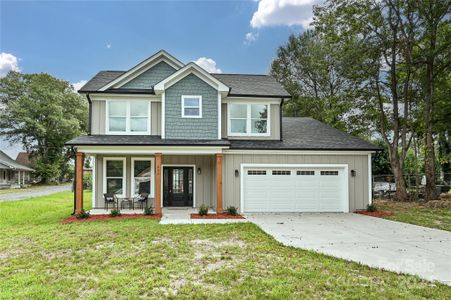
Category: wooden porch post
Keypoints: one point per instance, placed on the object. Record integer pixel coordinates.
(219, 208)
(79, 159)
(158, 183)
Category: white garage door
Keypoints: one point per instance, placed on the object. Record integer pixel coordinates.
(295, 189)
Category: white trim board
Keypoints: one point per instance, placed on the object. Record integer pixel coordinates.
(295, 152)
(180, 150)
(345, 168)
(370, 180)
(190, 68)
(94, 187)
(179, 165)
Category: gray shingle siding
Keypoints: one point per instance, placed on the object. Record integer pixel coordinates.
(204, 128)
(151, 77)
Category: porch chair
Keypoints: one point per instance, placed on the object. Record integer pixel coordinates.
(141, 199)
(110, 198)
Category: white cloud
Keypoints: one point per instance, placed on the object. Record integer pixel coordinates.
(250, 37)
(108, 45)
(78, 85)
(8, 62)
(208, 64)
(283, 12)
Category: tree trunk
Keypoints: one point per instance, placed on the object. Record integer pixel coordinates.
(396, 166)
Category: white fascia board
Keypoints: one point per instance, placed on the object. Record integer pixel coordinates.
(251, 99)
(190, 68)
(295, 152)
(144, 66)
(182, 150)
(103, 97)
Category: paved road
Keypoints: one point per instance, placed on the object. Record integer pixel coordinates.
(35, 192)
(375, 242)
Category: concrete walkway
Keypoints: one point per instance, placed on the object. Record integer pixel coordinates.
(34, 192)
(182, 215)
(375, 242)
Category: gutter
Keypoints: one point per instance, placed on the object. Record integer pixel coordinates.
(280, 118)
(90, 113)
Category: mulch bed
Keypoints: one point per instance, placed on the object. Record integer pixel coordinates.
(73, 219)
(216, 216)
(375, 213)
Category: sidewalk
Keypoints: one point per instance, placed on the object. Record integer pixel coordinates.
(182, 215)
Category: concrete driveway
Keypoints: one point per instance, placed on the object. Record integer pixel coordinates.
(375, 242)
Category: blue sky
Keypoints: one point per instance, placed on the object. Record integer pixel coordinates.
(73, 40)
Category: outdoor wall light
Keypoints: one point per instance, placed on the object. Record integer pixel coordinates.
(237, 173)
(199, 171)
(353, 173)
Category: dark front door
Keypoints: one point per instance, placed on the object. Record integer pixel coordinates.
(178, 185)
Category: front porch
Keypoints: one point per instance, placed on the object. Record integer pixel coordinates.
(184, 179)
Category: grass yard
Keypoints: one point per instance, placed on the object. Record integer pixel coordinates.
(42, 259)
(416, 213)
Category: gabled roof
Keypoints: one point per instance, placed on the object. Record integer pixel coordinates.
(239, 84)
(252, 85)
(11, 163)
(190, 68)
(143, 66)
(23, 158)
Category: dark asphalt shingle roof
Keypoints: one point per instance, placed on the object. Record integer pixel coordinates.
(252, 85)
(140, 140)
(298, 134)
(240, 84)
(307, 134)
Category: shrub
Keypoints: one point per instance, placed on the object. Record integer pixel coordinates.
(83, 215)
(148, 211)
(115, 213)
(371, 208)
(232, 210)
(203, 210)
(87, 181)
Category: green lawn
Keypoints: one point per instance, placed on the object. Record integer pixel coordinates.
(42, 259)
(415, 213)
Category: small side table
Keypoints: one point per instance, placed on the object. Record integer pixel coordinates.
(127, 202)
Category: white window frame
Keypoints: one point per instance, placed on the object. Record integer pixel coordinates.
(152, 175)
(249, 120)
(127, 118)
(124, 174)
(199, 97)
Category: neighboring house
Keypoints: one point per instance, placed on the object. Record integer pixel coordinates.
(12, 173)
(188, 137)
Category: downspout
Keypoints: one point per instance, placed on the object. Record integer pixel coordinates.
(90, 114)
(280, 117)
(74, 181)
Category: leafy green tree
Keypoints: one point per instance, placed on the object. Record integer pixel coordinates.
(310, 71)
(42, 113)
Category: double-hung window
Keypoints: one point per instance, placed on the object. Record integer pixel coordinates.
(114, 171)
(248, 119)
(191, 106)
(142, 173)
(128, 117)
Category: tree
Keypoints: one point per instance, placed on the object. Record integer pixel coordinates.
(41, 112)
(436, 53)
(310, 71)
(377, 39)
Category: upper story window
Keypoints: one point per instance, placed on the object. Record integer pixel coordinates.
(248, 119)
(191, 106)
(128, 117)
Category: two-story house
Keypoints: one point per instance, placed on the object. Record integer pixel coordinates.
(188, 137)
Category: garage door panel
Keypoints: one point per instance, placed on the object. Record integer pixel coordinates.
(296, 189)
